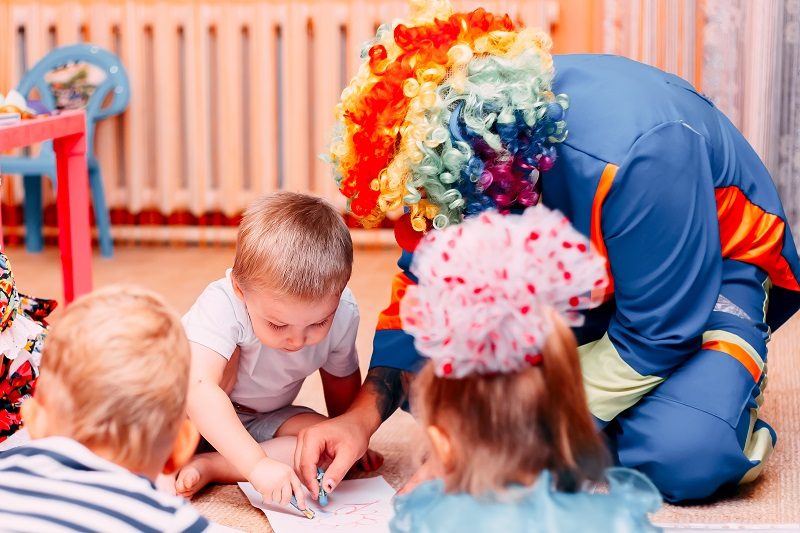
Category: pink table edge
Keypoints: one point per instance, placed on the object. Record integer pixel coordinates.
(68, 132)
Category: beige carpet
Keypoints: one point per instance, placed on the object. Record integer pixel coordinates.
(181, 273)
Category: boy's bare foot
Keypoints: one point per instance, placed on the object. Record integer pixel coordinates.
(193, 477)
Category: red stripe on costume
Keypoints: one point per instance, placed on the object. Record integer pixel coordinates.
(738, 353)
(596, 231)
(390, 317)
(749, 234)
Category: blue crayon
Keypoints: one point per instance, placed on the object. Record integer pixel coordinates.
(323, 496)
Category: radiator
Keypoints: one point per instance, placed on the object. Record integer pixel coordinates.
(231, 100)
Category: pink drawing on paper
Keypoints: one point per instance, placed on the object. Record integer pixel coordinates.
(362, 505)
(350, 515)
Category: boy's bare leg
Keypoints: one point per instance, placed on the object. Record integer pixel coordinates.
(205, 468)
(293, 426)
(212, 467)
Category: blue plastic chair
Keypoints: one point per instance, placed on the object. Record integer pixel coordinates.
(33, 168)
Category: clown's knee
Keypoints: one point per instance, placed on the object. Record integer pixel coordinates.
(688, 456)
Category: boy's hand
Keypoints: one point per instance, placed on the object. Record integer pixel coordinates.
(276, 482)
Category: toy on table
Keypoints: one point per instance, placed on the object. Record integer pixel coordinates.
(13, 103)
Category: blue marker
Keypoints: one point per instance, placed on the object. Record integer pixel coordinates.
(323, 496)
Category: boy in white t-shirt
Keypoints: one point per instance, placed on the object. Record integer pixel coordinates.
(280, 314)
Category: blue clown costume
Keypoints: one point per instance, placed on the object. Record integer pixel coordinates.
(703, 267)
(699, 253)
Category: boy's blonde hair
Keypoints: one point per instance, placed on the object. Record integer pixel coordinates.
(295, 244)
(115, 372)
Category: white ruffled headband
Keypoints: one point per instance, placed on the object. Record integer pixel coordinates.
(486, 287)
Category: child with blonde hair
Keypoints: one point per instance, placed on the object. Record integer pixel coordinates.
(108, 416)
(502, 396)
(280, 314)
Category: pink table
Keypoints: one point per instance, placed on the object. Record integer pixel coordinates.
(68, 133)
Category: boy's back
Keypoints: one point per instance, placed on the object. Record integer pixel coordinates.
(107, 418)
(57, 484)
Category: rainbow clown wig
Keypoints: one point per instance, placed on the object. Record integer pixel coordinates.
(449, 115)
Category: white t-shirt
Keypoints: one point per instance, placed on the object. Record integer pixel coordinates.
(269, 379)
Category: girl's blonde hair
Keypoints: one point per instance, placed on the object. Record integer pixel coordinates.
(506, 428)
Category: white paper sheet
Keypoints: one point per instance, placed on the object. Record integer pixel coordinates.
(363, 505)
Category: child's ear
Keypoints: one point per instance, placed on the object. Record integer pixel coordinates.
(236, 289)
(442, 446)
(34, 417)
(184, 447)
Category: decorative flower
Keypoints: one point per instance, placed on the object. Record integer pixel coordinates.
(487, 287)
(14, 102)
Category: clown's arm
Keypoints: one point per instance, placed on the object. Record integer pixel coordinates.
(341, 441)
(394, 357)
(392, 347)
(659, 225)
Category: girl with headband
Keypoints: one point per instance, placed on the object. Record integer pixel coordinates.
(501, 396)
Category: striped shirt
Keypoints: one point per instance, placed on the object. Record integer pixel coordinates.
(58, 485)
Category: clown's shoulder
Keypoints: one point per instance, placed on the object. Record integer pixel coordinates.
(613, 101)
(622, 113)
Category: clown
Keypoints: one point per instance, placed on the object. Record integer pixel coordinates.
(452, 114)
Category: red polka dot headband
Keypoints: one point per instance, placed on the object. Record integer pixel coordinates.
(487, 285)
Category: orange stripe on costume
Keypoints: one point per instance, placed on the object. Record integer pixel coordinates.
(738, 353)
(596, 231)
(749, 234)
(390, 317)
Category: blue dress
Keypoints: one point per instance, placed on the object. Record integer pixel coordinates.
(538, 508)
